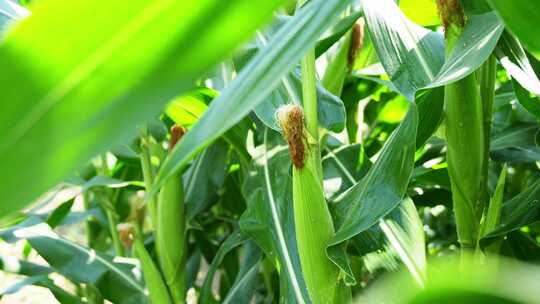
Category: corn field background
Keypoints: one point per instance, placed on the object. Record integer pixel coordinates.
(275, 151)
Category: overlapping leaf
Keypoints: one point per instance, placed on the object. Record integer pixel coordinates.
(234, 240)
(257, 80)
(513, 58)
(521, 17)
(243, 288)
(331, 110)
(521, 210)
(379, 192)
(115, 280)
(413, 56)
(400, 233)
(100, 72)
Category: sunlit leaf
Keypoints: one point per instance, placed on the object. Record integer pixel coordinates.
(112, 69)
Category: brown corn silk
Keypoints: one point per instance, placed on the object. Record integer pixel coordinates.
(291, 121)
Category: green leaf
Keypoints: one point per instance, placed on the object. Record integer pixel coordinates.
(530, 102)
(81, 265)
(342, 167)
(413, 56)
(379, 192)
(453, 281)
(256, 81)
(335, 33)
(11, 264)
(234, 240)
(59, 214)
(112, 69)
(521, 210)
(430, 113)
(493, 216)
(331, 109)
(405, 235)
(516, 143)
(514, 59)
(521, 17)
(60, 294)
(516, 135)
(475, 44)
(187, 109)
(152, 276)
(399, 236)
(430, 104)
(204, 178)
(244, 285)
(269, 218)
(522, 247)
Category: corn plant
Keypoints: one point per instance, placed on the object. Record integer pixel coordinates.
(323, 151)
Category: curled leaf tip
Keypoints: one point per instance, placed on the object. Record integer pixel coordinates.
(177, 132)
(291, 121)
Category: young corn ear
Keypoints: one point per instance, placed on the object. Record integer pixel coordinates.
(170, 230)
(312, 219)
(464, 134)
(152, 276)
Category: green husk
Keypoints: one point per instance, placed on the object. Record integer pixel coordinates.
(314, 228)
(170, 232)
(152, 276)
(170, 237)
(465, 136)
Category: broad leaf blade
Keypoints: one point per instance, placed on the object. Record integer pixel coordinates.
(474, 46)
(234, 240)
(405, 234)
(380, 191)
(522, 18)
(514, 59)
(411, 55)
(78, 91)
(521, 210)
(244, 285)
